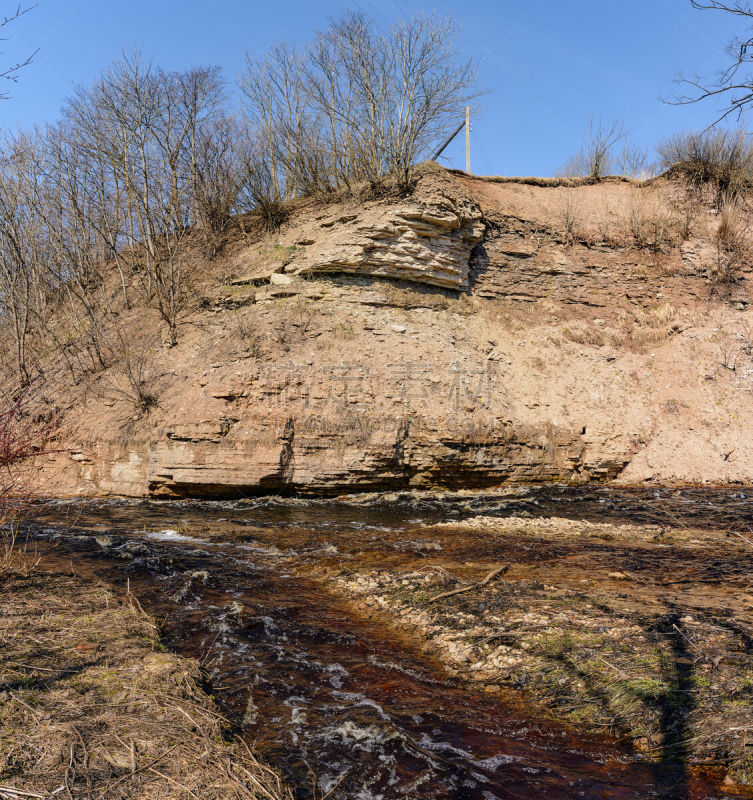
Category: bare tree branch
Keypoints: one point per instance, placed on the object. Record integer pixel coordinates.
(734, 84)
(11, 73)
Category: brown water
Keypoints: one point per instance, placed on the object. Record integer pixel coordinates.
(337, 700)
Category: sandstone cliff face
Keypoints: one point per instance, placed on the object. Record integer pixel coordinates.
(342, 355)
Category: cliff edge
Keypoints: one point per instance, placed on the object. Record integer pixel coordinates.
(475, 333)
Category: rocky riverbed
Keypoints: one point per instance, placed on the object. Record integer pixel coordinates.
(636, 630)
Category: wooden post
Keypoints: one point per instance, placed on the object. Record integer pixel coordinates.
(468, 139)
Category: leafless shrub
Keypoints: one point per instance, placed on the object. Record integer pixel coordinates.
(731, 246)
(250, 337)
(296, 320)
(729, 353)
(597, 156)
(260, 187)
(746, 339)
(20, 443)
(654, 225)
(569, 218)
(136, 379)
(718, 158)
(304, 312)
(685, 210)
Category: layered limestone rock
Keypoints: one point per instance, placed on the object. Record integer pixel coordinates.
(427, 238)
(446, 416)
(260, 459)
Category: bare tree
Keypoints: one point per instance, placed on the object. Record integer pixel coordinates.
(156, 151)
(633, 161)
(733, 86)
(10, 73)
(19, 256)
(597, 156)
(359, 103)
(275, 106)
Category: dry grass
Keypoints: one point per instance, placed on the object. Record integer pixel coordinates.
(639, 330)
(549, 183)
(584, 333)
(17, 557)
(647, 328)
(732, 246)
(401, 296)
(94, 708)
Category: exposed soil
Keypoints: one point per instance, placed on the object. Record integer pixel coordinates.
(93, 706)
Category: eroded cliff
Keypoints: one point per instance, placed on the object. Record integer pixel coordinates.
(474, 333)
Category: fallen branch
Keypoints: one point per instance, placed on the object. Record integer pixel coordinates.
(612, 666)
(173, 781)
(9, 791)
(40, 669)
(493, 574)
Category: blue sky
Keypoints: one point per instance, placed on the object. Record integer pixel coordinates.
(549, 65)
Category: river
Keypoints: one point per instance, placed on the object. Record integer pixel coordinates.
(346, 706)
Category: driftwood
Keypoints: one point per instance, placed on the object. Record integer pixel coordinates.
(493, 574)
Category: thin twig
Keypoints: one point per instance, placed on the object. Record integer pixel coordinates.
(493, 574)
(25, 705)
(171, 780)
(744, 538)
(138, 769)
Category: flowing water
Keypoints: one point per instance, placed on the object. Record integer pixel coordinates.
(345, 706)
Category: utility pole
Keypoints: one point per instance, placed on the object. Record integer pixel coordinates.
(467, 124)
(468, 139)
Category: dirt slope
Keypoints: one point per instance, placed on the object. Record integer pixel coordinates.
(475, 333)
